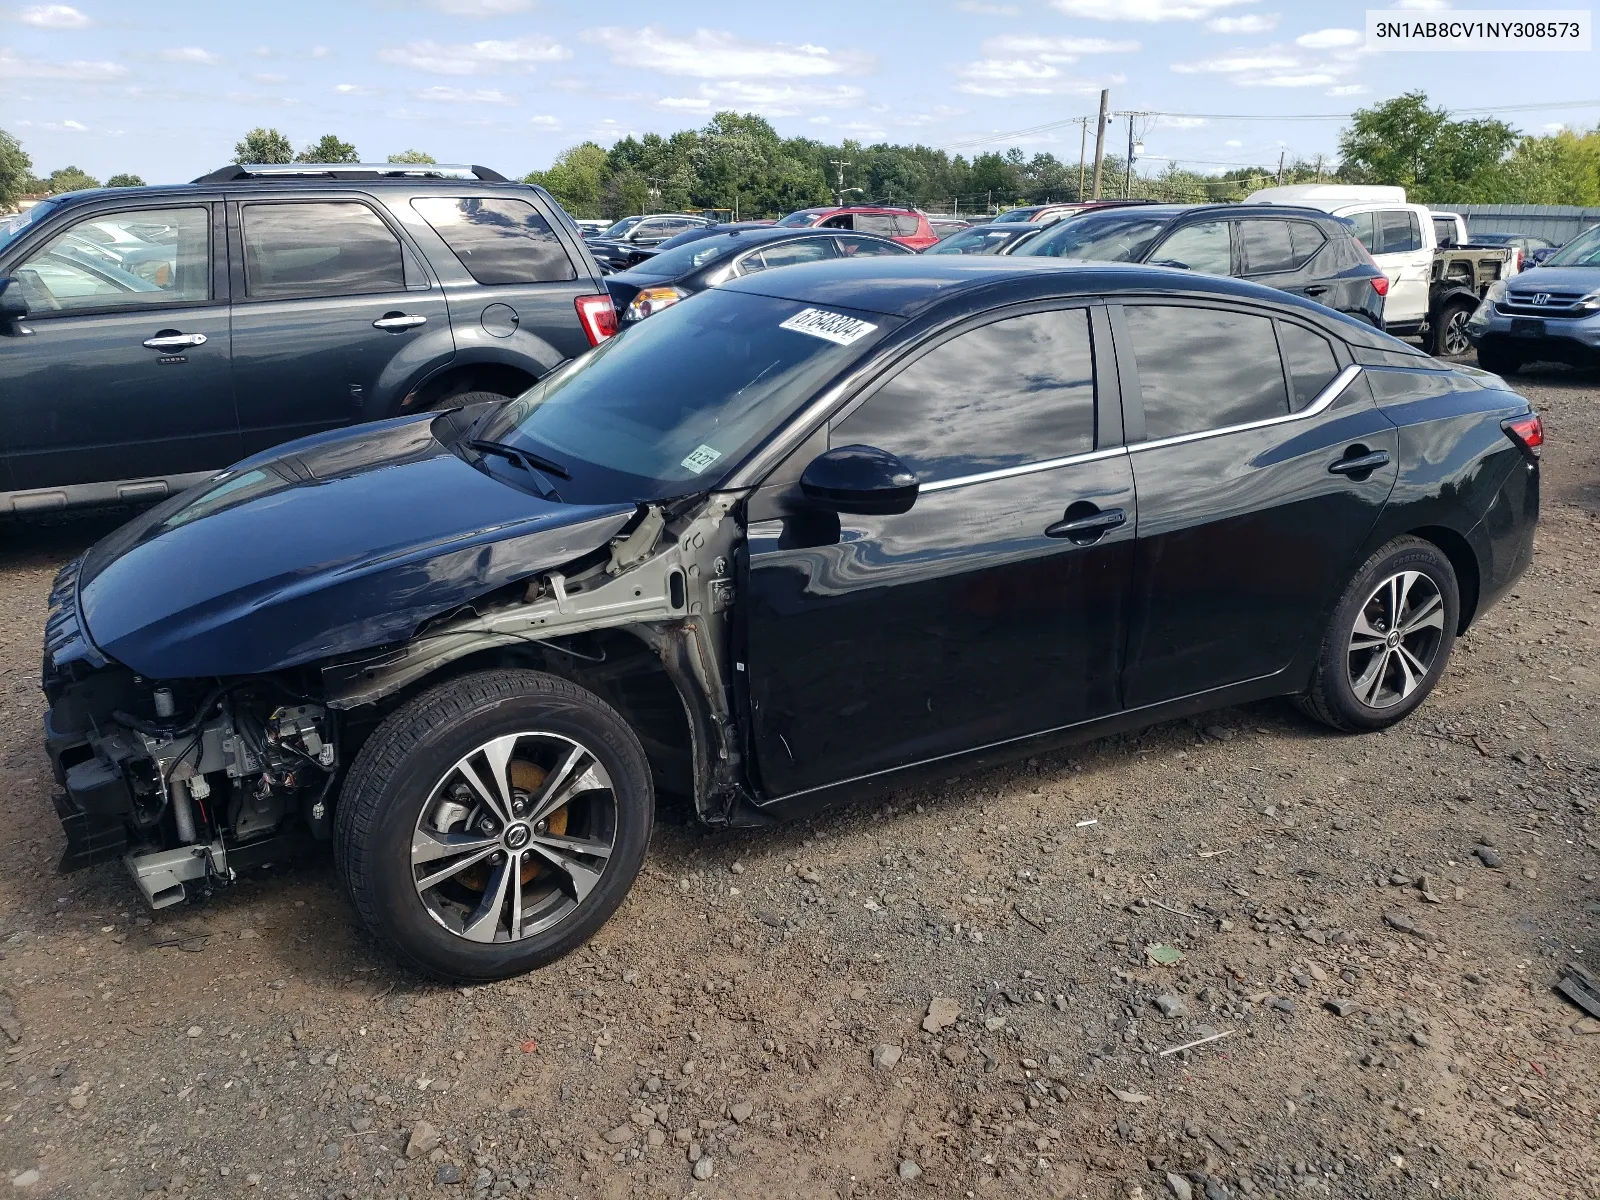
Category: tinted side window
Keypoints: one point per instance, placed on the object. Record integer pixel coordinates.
(807, 250)
(1310, 361)
(906, 226)
(1266, 246)
(852, 247)
(1306, 239)
(881, 224)
(1203, 368)
(497, 240)
(1202, 247)
(1401, 231)
(320, 248)
(1002, 395)
(123, 260)
(1367, 231)
(1444, 231)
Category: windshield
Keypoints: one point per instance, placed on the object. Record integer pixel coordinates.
(1581, 251)
(1111, 238)
(690, 256)
(622, 227)
(1016, 214)
(670, 406)
(982, 240)
(11, 227)
(799, 220)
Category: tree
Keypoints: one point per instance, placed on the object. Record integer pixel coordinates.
(124, 181)
(577, 179)
(1563, 168)
(263, 146)
(15, 170)
(69, 179)
(328, 149)
(1403, 141)
(413, 156)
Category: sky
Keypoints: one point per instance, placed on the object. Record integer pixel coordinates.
(164, 89)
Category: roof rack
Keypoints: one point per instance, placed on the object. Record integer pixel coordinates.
(234, 172)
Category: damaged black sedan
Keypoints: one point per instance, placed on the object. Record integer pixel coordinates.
(810, 533)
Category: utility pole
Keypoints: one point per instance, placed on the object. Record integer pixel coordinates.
(1083, 149)
(1281, 153)
(833, 162)
(1100, 139)
(1127, 182)
(1319, 168)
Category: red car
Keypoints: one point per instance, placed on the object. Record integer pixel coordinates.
(904, 225)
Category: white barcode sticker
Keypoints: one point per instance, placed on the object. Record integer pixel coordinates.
(831, 327)
(701, 458)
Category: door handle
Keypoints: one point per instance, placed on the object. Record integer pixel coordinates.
(1316, 289)
(399, 322)
(1088, 526)
(1358, 463)
(175, 341)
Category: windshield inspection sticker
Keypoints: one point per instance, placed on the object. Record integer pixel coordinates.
(831, 327)
(701, 458)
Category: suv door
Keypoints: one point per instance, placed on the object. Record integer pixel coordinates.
(510, 278)
(1204, 246)
(1279, 254)
(1239, 425)
(334, 316)
(994, 608)
(1393, 236)
(125, 379)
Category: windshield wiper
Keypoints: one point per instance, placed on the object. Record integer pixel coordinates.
(520, 456)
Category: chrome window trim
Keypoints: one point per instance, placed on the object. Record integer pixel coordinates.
(1324, 399)
(1049, 464)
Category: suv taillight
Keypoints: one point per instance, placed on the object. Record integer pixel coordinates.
(598, 316)
(1527, 432)
(1380, 284)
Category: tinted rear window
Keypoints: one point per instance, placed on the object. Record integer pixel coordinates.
(1310, 360)
(319, 248)
(1204, 368)
(498, 240)
(1112, 238)
(1266, 246)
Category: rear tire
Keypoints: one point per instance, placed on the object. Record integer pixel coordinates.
(1449, 336)
(493, 824)
(1499, 361)
(1388, 639)
(462, 399)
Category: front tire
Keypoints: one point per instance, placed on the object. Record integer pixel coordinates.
(493, 824)
(1450, 338)
(1388, 640)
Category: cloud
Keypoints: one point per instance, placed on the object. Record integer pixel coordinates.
(768, 99)
(716, 54)
(354, 89)
(192, 55)
(1273, 66)
(1031, 65)
(1233, 143)
(1171, 122)
(268, 77)
(65, 126)
(1144, 10)
(320, 52)
(476, 58)
(1248, 23)
(78, 70)
(1053, 49)
(987, 10)
(455, 95)
(480, 8)
(544, 121)
(1423, 5)
(53, 16)
(1348, 89)
(1331, 39)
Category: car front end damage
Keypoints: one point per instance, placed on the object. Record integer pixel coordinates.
(190, 780)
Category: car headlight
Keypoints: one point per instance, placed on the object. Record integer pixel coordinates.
(1496, 292)
(1591, 302)
(652, 300)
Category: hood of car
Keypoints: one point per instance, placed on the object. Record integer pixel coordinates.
(1563, 280)
(325, 546)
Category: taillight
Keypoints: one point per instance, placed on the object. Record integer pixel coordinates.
(1527, 432)
(1380, 284)
(651, 300)
(598, 316)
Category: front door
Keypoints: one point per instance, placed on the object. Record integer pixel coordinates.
(1249, 509)
(334, 317)
(125, 377)
(993, 609)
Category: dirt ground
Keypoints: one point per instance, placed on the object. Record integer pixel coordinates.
(1369, 928)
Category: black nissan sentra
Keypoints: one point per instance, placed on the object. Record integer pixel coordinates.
(805, 533)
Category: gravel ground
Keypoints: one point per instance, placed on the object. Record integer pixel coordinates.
(956, 993)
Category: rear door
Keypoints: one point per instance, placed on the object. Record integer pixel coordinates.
(1279, 254)
(125, 376)
(994, 608)
(1243, 428)
(334, 315)
(1394, 238)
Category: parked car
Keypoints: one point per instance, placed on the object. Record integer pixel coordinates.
(150, 335)
(944, 227)
(997, 238)
(632, 238)
(1548, 313)
(699, 262)
(1534, 249)
(592, 227)
(1433, 287)
(904, 225)
(807, 534)
(1296, 250)
(1048, 214)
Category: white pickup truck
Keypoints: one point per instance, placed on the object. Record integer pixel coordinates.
(1436, 276)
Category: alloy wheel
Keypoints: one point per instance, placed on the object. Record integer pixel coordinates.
(514, 837)
(1396, 638)
(1455, 340)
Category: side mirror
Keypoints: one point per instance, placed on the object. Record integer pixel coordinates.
(860, 479)
(13, 304)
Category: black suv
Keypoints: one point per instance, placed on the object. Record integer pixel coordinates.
(1299, 250)
(149, 336)
(632, 239)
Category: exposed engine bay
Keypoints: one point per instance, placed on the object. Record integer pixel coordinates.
(191, 780)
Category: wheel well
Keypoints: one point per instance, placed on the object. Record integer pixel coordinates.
(499, 378)
(613, 664)
(1462, 559)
